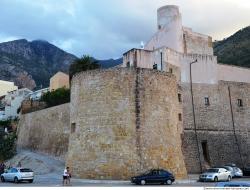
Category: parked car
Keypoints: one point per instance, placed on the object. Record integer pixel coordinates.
(231, 169)
(216, 174)
(18, 174)
(234, 184)
(237, 172)
(246, 170)
(157, 176)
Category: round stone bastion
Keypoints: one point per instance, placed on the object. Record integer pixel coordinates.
(124, 121)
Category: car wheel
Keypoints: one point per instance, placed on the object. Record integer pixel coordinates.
(2, 179)
(31, 181)
(215, 179)
(169, 182)
(16, 180)
(229, 178)
(143, 182)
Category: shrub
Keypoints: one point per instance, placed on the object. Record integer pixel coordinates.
(56, 97)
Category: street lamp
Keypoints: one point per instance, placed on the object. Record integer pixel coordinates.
(192, 101)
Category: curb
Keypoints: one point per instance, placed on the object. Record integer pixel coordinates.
(185, 181)
(100, 181)
(125, 182)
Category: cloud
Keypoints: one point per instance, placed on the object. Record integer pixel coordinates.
(108, 28)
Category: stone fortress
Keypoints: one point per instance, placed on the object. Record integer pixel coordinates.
(149, 113)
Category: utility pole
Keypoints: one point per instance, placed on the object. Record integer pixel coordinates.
(235, 136)
(192, 101)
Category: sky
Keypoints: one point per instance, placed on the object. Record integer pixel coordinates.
(107, 28)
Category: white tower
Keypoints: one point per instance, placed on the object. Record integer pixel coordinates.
(170, 33)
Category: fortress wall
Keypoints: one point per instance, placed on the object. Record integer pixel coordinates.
(204, 71)
(233, 73)
(214, 124)
(124, 122)
(195, 43)
(45, 131)
(140, 57)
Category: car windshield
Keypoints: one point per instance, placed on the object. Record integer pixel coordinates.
(25, 170)
(212, 170)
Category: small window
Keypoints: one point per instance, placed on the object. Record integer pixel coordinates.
(207, 103)
(179, 98)
(73, 127)
(170, 70)
(180, 117)
(155, 66)
(240, 103)
(128, 64)
(159, 27)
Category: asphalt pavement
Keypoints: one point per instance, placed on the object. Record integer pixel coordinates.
(53, 180)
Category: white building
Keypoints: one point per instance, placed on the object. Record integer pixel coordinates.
(6, 86)
(36, 95)
(173, 47)
(12, 102)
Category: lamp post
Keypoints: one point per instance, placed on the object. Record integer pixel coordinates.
(192, 101)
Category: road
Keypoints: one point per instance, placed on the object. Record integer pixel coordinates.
(55, 181)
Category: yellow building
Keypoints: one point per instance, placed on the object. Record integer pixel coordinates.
(59, 80)
(6, 86)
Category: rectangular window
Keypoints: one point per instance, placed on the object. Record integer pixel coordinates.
(128, 64)
(240, 103)
(155, 66)
(207, 103)
(180, 117)
(73, 127)
(170, 70)
(179, 98)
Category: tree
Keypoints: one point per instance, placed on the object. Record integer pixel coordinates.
(83, 64)
(7, 140)
(56, 97)
(7, 146)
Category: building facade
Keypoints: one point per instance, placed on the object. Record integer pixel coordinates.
(59, 80)
(216, 132)
(36, 95)
(6, 86)
(150, 114)
(12, 102)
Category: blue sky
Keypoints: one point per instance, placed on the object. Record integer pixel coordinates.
(107, 28)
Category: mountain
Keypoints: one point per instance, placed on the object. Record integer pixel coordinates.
(31, 64)
(234, 50)
(105, 64)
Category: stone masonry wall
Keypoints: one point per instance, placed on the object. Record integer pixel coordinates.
(225, 143)
(124, 122)
(45, 131)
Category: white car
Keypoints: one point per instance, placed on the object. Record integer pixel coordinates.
(216, 174)
(18, 174)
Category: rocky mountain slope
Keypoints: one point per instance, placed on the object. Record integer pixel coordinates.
(31, 64)
(234, 50)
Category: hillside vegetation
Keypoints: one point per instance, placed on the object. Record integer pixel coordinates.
(31, 64)
(234, 50)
